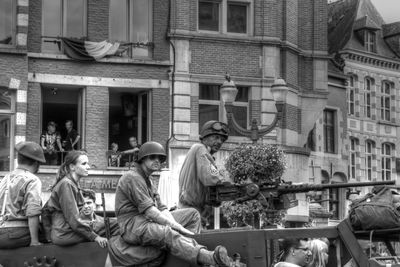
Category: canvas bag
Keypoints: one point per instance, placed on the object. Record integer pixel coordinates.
(375, 211)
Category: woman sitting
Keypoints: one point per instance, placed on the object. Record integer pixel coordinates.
(66, 199)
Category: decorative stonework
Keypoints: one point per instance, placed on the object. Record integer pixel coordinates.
(378, 62)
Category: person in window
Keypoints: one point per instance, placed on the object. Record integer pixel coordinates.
(146, 223)
(20, 193)
(199, 169)
(51, 143)
(132, 152)
(72, 138)
(296, 253)
(66, 199)
(114, 156)
(87, 214)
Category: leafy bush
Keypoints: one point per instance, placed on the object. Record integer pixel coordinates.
(256, 163)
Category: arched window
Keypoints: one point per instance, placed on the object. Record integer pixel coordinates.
(369, 146)
(385, 100)
(368, 82)
(387, 154)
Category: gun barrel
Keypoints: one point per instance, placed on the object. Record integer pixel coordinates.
(282, 189)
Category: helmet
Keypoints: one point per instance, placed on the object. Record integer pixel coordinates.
(31, 150)
(151, 148)
(214, 127)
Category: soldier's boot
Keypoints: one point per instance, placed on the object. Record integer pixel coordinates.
(219, 257)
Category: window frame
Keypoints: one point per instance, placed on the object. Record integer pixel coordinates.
(386, 114)
(11, 113)
(386, 157)
(353, 158)
(223, 17)
(370, 41)
(329, 128)
(63, 21)
(351, 96)
(221, 109)
(129, 23)
(368, 84)
(369, 150)
(13, 26)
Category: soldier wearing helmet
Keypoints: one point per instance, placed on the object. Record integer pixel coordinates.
(147, 227)
(199, 169)
(20, 199)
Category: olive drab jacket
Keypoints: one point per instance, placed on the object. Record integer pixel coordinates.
(199, 170)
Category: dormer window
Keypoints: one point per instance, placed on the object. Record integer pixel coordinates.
(370, 41)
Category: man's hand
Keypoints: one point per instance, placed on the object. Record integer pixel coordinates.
(178, 227)
(101, 241)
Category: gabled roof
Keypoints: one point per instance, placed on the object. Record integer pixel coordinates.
(345, 17)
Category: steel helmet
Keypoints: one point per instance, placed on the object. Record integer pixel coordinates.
(151, 148)
(31, 150)
(214, 127)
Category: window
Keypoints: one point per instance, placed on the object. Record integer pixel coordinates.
(55, 136)
(7, 109)
(367, 97)
(225, 16)
(210, 106)
(385, 101)
(7, 22)
(351, 96)
(334, 203)
(129, 116)
(131, 22)
(65, 18)
(353, 158)
(368, 159)
(329, 131)
(386, 161)
(370, 41)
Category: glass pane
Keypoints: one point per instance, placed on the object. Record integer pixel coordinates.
(207, 113)
(6, 21)
(140, 26)
(52, 16)
(240, 115)
(209, 92)
(5, 135)
(118, 20)
(243, 94)
(75, 18)
(5, 99)
(237, 18)
(208, 16)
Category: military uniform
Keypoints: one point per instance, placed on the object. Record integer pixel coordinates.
(134, 195)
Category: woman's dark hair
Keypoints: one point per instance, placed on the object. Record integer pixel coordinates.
(290, 243)
(70, 158)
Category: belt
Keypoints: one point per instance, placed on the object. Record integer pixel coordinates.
(7, 224)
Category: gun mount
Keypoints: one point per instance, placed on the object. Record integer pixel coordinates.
(271, 194)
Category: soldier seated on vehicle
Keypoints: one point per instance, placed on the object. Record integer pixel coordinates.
(296, 253)
(20, 199)
(97, 223)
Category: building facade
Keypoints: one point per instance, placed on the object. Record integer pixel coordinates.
(366, 50)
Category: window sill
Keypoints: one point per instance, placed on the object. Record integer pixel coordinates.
(104, 60)
(388, 123)
(13, 50)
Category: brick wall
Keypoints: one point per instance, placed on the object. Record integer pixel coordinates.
(97, 20)
(97, 101)
(160, 115)
(33, 118)
(255, 110)
(291, 118)
(160, 26)
(35, 26)
(194, 109)
(218, 58)
(290, 67)
(182, 14)
(306, 73)
(268, 18)
(291, 17)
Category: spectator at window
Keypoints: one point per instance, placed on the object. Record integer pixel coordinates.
(114, 156)
(72, 138)
(132, 152)
(51, 143)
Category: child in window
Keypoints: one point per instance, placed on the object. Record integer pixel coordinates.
(114, 156)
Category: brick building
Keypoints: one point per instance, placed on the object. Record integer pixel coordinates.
(169, 85)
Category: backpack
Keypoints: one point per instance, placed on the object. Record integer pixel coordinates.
(375, 211)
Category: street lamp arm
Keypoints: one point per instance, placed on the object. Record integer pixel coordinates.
(236, 126)
(269, 128)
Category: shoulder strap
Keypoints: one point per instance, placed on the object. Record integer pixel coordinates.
(3, 207)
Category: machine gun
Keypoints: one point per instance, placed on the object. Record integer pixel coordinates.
(273, 195)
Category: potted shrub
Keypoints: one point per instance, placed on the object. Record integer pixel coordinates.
(257, 163)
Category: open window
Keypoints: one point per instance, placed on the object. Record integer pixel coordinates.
(129, 116)
(59, 105)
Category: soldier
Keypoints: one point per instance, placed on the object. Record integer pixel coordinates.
(199, 169)
(20, 199)
(144, 223)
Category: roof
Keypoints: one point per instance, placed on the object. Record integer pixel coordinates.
(346, 17)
